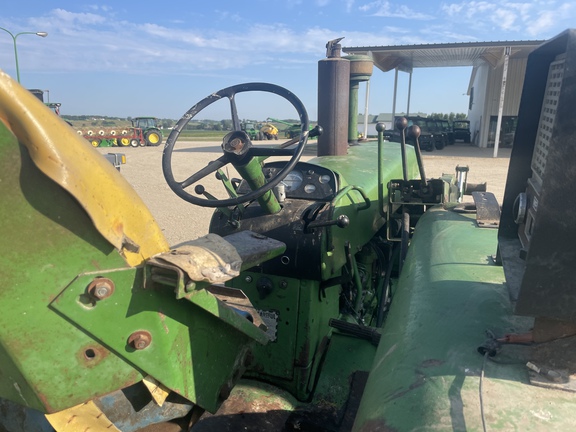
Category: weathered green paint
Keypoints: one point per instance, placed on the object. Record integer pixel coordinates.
(358, 169)
(302, 311)
(252, 173)
(47, 239)
(346, 356)
(290, 358)
(427, 367)
(279, 309)
(202, 343)
(50, 328)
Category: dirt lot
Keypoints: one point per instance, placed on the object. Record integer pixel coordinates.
(182, 221)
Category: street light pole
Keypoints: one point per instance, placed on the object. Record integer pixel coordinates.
(14, 36)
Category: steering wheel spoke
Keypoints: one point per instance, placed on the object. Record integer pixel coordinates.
(233, 148)
(208, 169)
(234, 114)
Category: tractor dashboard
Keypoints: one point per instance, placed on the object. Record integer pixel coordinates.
(305, 181)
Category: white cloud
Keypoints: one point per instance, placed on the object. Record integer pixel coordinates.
(383, 8)
(77, 19)
(516, 18)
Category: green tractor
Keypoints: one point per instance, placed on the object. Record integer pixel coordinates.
(349, 292)
(252, 129)
(151, 132)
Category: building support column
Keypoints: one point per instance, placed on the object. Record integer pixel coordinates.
(394, 98)
(501, 104)
(366, 103)
(409, 94)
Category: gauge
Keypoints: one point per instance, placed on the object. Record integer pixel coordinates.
(293, 180)
(325, 179)
(309, 188)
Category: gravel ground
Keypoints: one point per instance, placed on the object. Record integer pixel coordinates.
(182, 221)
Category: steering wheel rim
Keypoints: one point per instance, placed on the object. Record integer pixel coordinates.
(230, 92)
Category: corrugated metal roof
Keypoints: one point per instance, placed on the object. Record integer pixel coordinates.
(408, 57)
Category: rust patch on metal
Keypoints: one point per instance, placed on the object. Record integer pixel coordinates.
(96, 264)
(420, 380)
(91, 355)
(162, 319)
(432, 363)
(49, 408)
(303, 357)
(376, 426)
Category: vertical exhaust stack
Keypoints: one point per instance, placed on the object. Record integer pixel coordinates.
(360, 70)
(333, 101)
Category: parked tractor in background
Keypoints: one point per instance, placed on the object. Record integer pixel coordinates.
(461, 130)
(349, 292)
(440, 136)
(447, 130)
(252, 129)
(430, 138)
(150, 130)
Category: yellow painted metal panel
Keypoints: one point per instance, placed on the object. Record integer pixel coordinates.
(68, 159)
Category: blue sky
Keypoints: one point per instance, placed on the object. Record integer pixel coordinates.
(143, 57)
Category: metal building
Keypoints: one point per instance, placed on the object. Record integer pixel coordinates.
(495, 84)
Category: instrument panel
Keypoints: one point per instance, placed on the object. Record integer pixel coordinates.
(305, 181)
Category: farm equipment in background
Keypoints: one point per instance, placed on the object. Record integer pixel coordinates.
(447, 130)
(348, 292)
(252, 130)
(440, 135)
(145, 131)
(150, 130)
(428, 140)
(292, 131)
(269, 131)
(461, 130)
(112, 137)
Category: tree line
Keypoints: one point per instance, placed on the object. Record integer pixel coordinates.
(450, 117)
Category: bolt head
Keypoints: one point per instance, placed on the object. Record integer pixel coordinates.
(100, 288)
(140, 340)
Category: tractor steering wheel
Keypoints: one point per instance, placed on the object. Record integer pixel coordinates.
(236, 145)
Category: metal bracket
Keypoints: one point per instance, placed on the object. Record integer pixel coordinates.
(487, 209)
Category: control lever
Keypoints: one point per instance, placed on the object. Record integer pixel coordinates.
(201, 190)
(414, 133)
(341, 221)
(401, 124)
